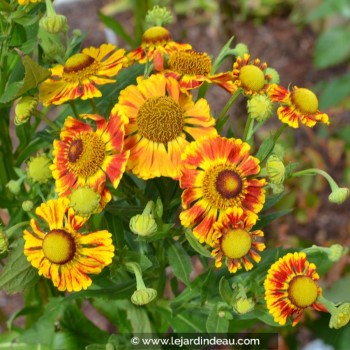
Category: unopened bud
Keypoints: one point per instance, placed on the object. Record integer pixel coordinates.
(260, 107)
(143, 296)
(144, 224)
(85, 201)
(158, 16)
(14, 186)
(275, 169)
(340, 317)
(54, 24)
(27, 205)
(339, 195)
(241, 49)
(38, 169)
(243, 305)
(25, 108)
(275, 77)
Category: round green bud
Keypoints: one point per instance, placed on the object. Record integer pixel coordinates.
(340, 317)
(243, 306)
(275, 77)
(27, 205)
(143, 296)
(158, 16)
(339, 195)
(275, 169)
(25, 108)
(14, 186)
(85, 201)
(336, 251)
(38, 169)
(54, 24)
(241, 49)
(4, 242)
(260, 107)
(143, 225)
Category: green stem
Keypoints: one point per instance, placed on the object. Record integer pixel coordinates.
(74, 108)
(50, 9)
(136, 269)
(247, 134)
(229, 104)
(279, 132)
(93, 105)
(45, 119)
(327, 304)
(313, 171)
(12, 230)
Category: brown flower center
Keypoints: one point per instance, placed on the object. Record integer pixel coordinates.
(160, 119)
(86, 154)
(190, 62)
(156, 35)
(80, 66)
(59, 246)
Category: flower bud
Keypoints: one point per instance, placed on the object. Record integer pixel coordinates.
(339, 195)
(38, 169)
(85, 201)
(143, 296)
(158, 16)
(340, 317)
(14, 186)
(144, 224)
(275, 77)
(27, 205)
(244, 305)
(54, 24)
(4, 242)
(25, 108)
(241, 49)
(260, 107)
(275, 169)
(336, 251)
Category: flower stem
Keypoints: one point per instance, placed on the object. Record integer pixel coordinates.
(247, 134)
(74, 108)
(313, 171)
(228, 105)
(93, 105)
(279, 132)
(45, 119)
(136, 269)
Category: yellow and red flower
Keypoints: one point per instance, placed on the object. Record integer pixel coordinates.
(156, 43)
(291, 287)
(249, 75)
(63, 254)
(162, 120)
(27, 2)
(84, 156)
(192, 69)
(80, 74)
(297, 106)
(218, 174)
(234, 242)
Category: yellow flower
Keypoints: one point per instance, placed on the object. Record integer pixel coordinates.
(80, 74)
(291, 287)
(162, 121)
(297, 106)
(63, 254)
(27, 2)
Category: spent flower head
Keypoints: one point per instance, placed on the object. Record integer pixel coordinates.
(158, 16)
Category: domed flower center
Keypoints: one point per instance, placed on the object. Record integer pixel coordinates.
(252, 78)
(156, 35)
(79, 66)
(59, 246)
(223, 187)
(160, 119)
(228, 184)
(190, 62)
(302, 291)
(305, 100)
(86, 154)
(236, 243)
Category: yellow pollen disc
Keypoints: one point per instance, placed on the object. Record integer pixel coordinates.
(79, 67)
(59, 246)
(236, 243)
(156, 35)
(302, 291)
(190, 62)
(223, 187)
(86, 154)
(252, 78)
(305, 100)
(160, 119)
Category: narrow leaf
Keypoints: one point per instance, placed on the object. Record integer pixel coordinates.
(216, 324)
(180, 262)
(225, 290)
(265, 149)
(192, 240)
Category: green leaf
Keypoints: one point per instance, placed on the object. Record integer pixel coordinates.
(193, 241)
(265, 219)
(332, 47)
(265, 149)
(18, 275)
(225, 290)
(10, 92)
(272, 200)
(43, 330)
(33, 74)
(116, 27)
(216, 324)
(189, 322)
(139, 319)
(179, 261)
